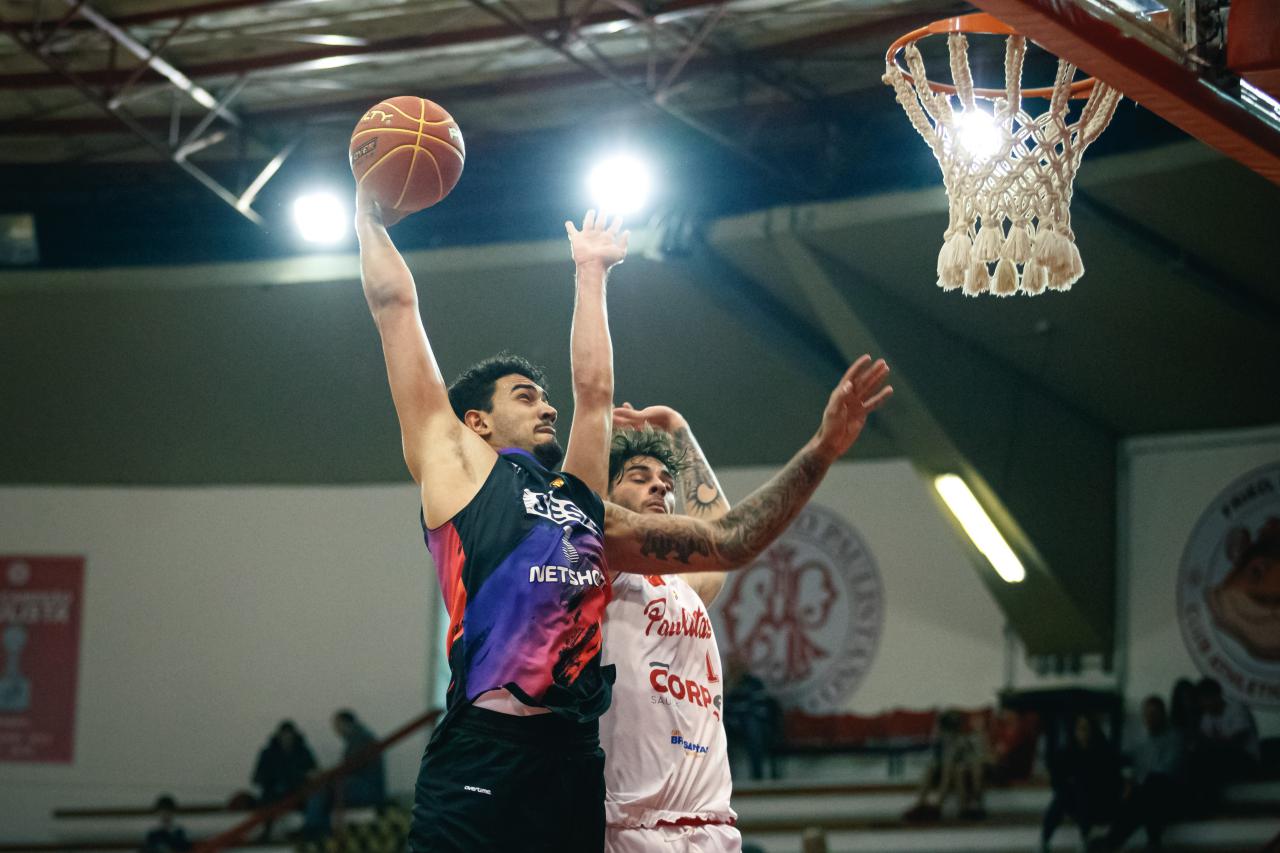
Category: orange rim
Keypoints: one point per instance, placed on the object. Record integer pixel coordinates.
(984, 24)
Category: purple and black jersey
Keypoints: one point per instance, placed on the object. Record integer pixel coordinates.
(523, 574)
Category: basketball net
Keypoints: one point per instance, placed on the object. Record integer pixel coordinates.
(1010, 198)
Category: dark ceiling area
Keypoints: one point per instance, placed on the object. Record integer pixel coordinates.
(740, 107)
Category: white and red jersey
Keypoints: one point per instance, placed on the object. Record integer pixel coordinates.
(663, 735)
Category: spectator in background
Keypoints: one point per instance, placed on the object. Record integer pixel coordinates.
(956, 767)
(752, 718)
(1230, 750)
(283, 765)
(365, 785)
(1011, 755)
(1159, 786)
(1085, 776)
(168, 837)
(1184, 710)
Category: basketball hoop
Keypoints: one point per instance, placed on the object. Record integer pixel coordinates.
(999, 163)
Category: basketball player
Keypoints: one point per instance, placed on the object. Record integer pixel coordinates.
(666, 769)
(515, 763)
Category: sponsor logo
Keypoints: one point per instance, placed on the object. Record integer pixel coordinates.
(364, 150)
(1229, 588)
(565, 575)
(678, 740)
(668, 686)
(454, 133)
(695, 624)
(473, 789)
(377, 115)
(807, 615)
(560, 511)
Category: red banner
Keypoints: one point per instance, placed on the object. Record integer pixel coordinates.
(41, 599)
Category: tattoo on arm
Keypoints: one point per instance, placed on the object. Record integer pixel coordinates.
(678, 545)
(752, 525)
(740, 536)
(698, 486)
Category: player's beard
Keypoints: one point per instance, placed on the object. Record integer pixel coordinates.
(548, 453)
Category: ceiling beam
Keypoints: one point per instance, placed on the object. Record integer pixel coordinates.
(297, 59)
(1044, 474)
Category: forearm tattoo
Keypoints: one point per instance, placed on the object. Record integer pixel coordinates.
(747, 530)
(678, 545)
(698, 484)
(752, 525)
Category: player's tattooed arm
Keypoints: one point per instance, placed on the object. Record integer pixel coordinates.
(703, 497)
(657, 544)
(660, 544)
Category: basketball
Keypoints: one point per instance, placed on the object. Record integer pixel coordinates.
(407, 152)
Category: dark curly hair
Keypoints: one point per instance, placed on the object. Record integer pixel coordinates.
(630, 443)
(473, 389)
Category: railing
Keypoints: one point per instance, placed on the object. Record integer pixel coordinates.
(236, 834)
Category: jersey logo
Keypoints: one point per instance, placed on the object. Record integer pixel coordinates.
(712, 678)
(557, 483)
(560, 511)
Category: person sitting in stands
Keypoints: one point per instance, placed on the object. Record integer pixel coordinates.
(283, 765)
(1230, 750)
(365, 785)
(751, 716)
(1085, 777)
(955, 767)
(1158, 789)
(1012, 752)
(168, 837)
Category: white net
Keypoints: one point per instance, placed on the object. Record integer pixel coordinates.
(1008, 175)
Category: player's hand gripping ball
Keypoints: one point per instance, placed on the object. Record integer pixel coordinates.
(407, 153)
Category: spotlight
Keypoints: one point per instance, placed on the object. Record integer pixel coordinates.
(619, 185)
(978, 527)
(977, 132)
(320, 217)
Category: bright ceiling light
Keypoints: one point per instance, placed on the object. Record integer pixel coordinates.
(977, 525)
(978, 133)
(320, 217)
(619, 185)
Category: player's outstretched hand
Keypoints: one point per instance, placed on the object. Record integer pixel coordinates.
(598, 242)
(664, 418)
(860, 392)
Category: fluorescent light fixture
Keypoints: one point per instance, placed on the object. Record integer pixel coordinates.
(320, 217)
(977, 132)
(619, 185)
(977, 525)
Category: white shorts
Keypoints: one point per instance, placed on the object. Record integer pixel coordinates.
(711, 838)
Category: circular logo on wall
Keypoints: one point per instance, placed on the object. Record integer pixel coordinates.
(18, 573)
(1229, 588)
(806, 617)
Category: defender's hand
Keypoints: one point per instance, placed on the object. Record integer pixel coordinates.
(664, 418)
(859, 393)
(595, 244)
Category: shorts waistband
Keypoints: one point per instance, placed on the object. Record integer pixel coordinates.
(550, 730)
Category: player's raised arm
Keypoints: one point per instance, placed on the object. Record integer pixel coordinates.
(664, 544)
(596, 248)
(449, 461)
